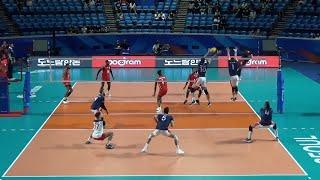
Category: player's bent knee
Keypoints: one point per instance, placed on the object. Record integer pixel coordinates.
(250, 128)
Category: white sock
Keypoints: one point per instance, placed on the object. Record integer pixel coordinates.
(249, 134)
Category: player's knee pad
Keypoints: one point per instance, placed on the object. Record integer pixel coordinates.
(175, 137)
(250, 128)
(150, 136)
(274, 126)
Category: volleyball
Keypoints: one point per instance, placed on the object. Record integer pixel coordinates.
(213, 50)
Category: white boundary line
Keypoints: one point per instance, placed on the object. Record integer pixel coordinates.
(306, 174)
(148, 82)
(150, 101)
(25, 147)
(161, 175)
(123, 114)
(209, 129)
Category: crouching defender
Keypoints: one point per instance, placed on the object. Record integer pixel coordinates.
(163, 121)
(98, 131)
(265, 122)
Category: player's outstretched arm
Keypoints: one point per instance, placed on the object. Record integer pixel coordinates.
(185, 85)
(172, 123)
(235, 53)
(98, 73)
(228, 52)
(155, 118)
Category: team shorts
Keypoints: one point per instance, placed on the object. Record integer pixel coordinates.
(234, 80)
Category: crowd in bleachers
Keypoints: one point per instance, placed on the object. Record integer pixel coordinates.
(88, 29)
(157, 16)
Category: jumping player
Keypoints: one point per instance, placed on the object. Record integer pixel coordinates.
(98, 131)
(191, 80)
(98, 104)
(67, 82)
(265, 122)
(161, 81)
(163, 121)
(202, 80)
(234, 67)
(106, 71)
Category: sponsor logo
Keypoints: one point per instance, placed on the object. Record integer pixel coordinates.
(124, 61)
(256, 61)
(181, 62)
(58, 62)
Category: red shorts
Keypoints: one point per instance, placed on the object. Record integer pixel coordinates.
(101, 138)
(106, 78)
(162, 93)
(67, 84)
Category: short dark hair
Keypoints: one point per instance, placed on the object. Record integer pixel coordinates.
(166, 110)
(159, 72)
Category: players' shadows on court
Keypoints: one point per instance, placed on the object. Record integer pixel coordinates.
(89, 146)
(241, 141)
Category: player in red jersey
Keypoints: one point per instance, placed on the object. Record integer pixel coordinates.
(106, 71)
(193, 77)
(161, 81)
(66, 77)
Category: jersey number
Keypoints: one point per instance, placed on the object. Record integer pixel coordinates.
(163, 118)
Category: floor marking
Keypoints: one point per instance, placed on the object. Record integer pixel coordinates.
(303, 128)
(199, 129)
(123, 114)
(279, 141)
(146, 101)
(285, 128)
(312, 128)
(155, 175)
(25, 147)
(293, 128)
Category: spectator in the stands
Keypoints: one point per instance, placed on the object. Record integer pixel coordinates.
(223, 23)
(253, 15)
(171, 15)
(216, 22)
(84, 29)
(163, 16)
(133, 7)
(190, 7)
(157, 16)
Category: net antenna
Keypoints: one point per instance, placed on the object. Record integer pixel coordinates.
(49, 59)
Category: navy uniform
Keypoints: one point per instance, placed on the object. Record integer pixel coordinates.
(266, 117)
(163, 122)
(98, 103)
(202, 70)
(234, 67)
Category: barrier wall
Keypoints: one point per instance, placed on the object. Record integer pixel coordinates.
(181, 44)
(145, 62)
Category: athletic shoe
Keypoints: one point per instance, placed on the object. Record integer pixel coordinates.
(276, 139)
(88, 142)
(145, 148)
(209, 104)
(179, 151)
(65, 101)
(248, 140)
(193, 102)
(109, 146)
(185, 101)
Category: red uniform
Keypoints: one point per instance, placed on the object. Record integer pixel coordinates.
(192, 79)
(106, 70)
(66, 78)
(162, 83)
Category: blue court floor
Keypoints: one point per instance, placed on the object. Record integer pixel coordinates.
(301, 118)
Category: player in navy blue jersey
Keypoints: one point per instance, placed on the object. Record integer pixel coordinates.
(163, 121)
(98, 103)
(202, 80)
(265, 122)
(234, 67)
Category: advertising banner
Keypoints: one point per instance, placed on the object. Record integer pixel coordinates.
(185, 62)
(125, 61)
(59, 62)
(256, 61)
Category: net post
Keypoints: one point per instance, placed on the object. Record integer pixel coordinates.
(280, 86)
(27, 89)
